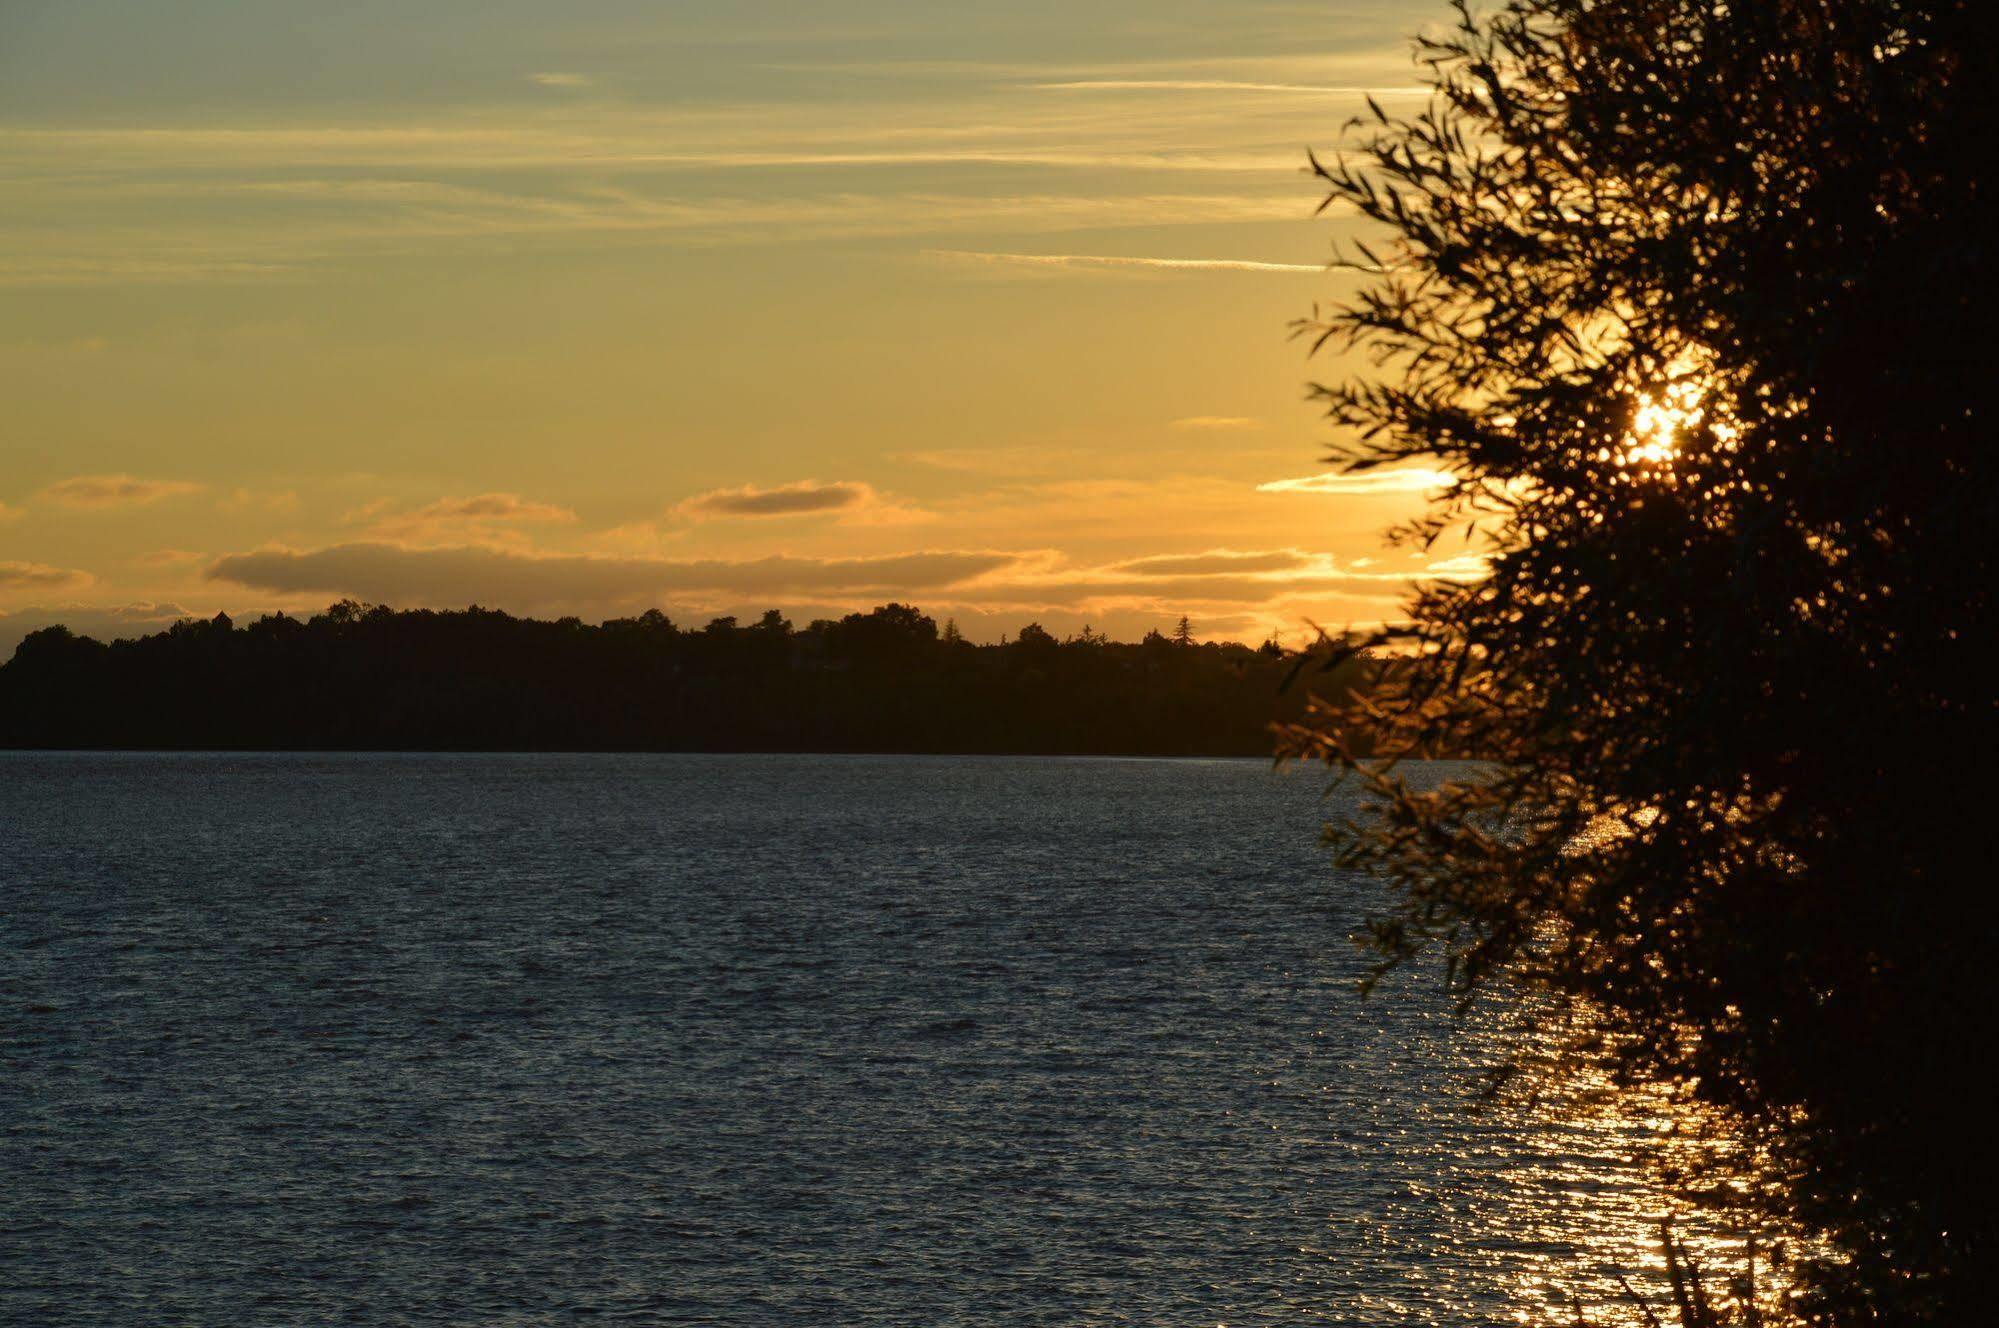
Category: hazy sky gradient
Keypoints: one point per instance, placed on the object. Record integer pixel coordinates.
(584, 308)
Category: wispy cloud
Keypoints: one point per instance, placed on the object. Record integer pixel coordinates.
(110, 270)
(1215, 562)
(1088, 262)
(1362, 67)
(242, 499)
(91, 492)
(325, 219)
(1020, 461)
(90, 203)
(395, 574)
(493, 507)
(850, 502)
(1405, 480)
(803, 497)
(40, 576)
(485, 518)
(652, 141)
(1222, 85)
(1218, 423)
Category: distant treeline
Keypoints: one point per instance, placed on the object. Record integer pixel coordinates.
(371, 678)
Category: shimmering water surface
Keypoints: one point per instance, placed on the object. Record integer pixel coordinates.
(731, 1040)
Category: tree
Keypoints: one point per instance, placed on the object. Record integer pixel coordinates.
(1183, 633)
(1036, 637)
(1693, 299)
(893, 631)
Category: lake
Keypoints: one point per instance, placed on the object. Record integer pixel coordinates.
(762, 1040)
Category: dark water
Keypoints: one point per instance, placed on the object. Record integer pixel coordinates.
(701, 1040)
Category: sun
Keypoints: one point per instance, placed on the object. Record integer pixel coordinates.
(1665, 420)
(1658, 424)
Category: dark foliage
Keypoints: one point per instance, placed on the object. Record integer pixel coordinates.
(1694, 298)
(886, 681)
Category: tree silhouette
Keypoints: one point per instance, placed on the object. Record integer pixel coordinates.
(361, 676)
(1693, 299)
(1035, 637)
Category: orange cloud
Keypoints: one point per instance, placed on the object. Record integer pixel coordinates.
(273, 500)
(854, 503)
(1405, 480)
(395, 574)
(1126, 262)
(1218, 423)
(806, 496)
(106, 491)
(484, 517)
(40, 576)
(1218, 561)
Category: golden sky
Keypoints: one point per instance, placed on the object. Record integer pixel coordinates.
(715, 306)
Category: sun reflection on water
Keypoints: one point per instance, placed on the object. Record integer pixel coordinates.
(1581, 1179)
(1582, 1182)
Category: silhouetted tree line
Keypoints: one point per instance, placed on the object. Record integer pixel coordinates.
(372, 678)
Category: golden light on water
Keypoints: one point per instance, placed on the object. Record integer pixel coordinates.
(1611, 1170)
(1587, 1214)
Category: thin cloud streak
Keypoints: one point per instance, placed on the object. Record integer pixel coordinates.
(802, 498)
(97, 492)
(334, 218)
(1218, 423)
(1221, 85)
(492, 507)
(1214, 562)
(40, 576)
(1387, 59)
(396, 574)
(529, 149)
(486, 517)
(1415, 480)
(1088, 261)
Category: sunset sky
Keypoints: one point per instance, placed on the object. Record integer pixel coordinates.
(716, 307)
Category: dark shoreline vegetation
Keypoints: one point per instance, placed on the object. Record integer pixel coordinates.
(362, 678)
